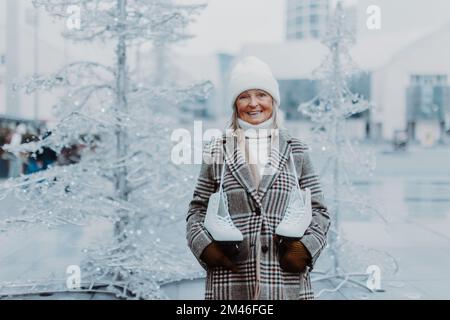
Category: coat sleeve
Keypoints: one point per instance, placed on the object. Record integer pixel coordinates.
(198, 238)
(315, 236)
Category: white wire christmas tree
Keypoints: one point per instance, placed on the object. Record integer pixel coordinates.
(329, 110)
(125, 174)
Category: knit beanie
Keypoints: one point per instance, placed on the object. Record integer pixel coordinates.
(252, 73)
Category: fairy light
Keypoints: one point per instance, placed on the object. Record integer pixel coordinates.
(329, 110)
(139, 257)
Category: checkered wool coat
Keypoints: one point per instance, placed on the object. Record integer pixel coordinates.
(256, 213)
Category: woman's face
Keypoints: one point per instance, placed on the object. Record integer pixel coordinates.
(254, 106)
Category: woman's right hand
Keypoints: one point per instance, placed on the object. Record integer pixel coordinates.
(214, 256)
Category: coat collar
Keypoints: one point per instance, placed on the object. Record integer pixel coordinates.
(279, 154)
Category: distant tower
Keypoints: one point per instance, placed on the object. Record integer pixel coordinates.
(306, 19)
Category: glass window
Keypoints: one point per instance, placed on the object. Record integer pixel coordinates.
(314, 19)
(425, 96)
(427, 80)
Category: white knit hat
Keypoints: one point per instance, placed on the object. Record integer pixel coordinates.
(252, 73)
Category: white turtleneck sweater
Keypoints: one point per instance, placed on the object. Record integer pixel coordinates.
(255, 145)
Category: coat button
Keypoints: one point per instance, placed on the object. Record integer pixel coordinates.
(258, 211)
(264, 248)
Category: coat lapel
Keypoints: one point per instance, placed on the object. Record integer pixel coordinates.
(238, 167)
(241, 171)
(279, 155)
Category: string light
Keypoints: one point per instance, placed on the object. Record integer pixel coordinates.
(329, 111)
(118, 178)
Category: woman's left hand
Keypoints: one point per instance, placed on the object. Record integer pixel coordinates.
(293, 255)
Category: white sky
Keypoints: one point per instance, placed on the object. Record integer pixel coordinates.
(225, 25)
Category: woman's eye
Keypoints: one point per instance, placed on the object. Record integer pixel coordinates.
(261, 94)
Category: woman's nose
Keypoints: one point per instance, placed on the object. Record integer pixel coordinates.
(253, 101)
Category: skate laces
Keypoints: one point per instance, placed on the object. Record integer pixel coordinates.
(224, 218)
(225, 221)
(296, 208)
(292, 212)
(292, 215)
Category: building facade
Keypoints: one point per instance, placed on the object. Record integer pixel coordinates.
(306, 18)
(412, 89)
(30, 44)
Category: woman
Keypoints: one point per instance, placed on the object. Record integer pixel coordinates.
(257, 191)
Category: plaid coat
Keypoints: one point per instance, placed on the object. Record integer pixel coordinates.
(256, 213)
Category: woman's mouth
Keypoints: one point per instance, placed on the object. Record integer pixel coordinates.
(254, 113)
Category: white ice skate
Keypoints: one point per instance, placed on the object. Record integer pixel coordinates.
(298, 215)
(218, 221)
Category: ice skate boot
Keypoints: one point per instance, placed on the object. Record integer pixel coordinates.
(218, 221)
(298, 215)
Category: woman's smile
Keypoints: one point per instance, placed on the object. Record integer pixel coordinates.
(254, 114)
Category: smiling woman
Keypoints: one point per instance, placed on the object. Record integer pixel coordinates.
(238, 204)
(254, 94)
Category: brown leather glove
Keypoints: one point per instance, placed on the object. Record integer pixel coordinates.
(293, 255)
(214, 256)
